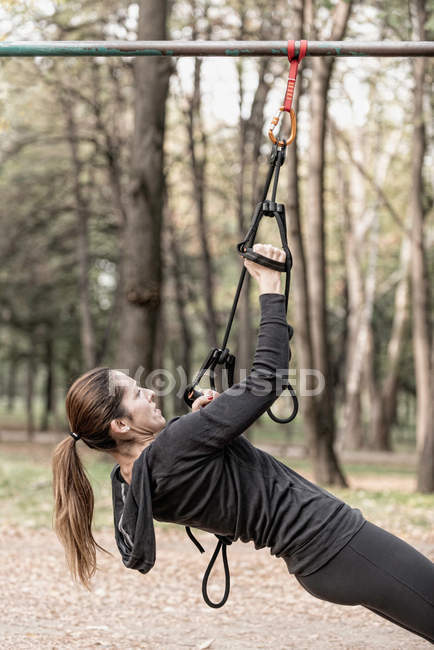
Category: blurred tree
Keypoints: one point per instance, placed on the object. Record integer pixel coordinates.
(362, 208)
(302, 317)
(198, 156)
(423, 343)
(182, 347)
(141, 244)
(383, 393)
(321, 442)
(83, 217)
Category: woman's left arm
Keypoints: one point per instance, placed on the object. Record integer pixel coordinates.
(210, 428)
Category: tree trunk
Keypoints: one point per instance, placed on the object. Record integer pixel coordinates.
(182, 350)
(382, 396)
(422, 345)
(82, 211)
(49, 383)
(326, 467)
(12, 379)
(362, 246)
(142, 262)
(30, 389)
(198, 145)
(302, 324)
(385, 399)
(111, 318)
(380, 401)
(250, 136)
(112, 149)
(355, 229)
(245, 334)
(425, 469)
(161, 380)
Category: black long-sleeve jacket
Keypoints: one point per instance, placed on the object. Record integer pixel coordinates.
(201, 472)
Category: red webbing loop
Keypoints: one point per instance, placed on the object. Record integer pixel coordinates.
(293, 69)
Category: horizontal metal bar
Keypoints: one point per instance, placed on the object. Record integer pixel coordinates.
(212, 48)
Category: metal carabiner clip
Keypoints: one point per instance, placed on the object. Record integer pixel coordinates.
(275, 122)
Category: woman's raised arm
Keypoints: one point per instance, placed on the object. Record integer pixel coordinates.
(232, 412)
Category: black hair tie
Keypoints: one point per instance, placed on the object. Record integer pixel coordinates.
(76, 436)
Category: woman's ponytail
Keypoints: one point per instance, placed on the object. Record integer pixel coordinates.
(92, 402)
(73, 512)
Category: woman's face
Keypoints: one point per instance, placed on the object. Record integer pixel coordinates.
(140, 404)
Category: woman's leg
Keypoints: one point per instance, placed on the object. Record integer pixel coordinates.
(383, 573)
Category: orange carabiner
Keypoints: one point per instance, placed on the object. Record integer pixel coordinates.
(275, 122)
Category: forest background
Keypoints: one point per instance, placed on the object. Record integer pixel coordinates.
(126, 184)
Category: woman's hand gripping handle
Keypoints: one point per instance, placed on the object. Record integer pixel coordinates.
(268, 280)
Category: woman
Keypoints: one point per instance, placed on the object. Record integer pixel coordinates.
(197, 470)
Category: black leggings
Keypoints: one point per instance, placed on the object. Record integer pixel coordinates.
(383, 573)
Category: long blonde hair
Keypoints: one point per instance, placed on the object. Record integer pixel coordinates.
(92, 402)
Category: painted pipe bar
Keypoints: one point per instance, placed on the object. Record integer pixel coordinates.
(212, 48)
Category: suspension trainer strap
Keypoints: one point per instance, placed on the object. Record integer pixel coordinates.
(274, 210)
(223, 543)
(222, 356)
(293, 69)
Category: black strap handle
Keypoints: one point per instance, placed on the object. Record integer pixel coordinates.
(222, 544)
(253, 256)
(276, 210)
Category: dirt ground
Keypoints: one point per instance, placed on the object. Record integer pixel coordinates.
(41, 608)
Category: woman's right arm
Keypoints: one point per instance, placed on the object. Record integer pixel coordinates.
(237, 408)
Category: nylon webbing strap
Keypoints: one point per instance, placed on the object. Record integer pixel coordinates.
(293, 69)
(269, 208)
(221, 544)
(222, 356)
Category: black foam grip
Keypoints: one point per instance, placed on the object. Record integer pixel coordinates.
(251, 255)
